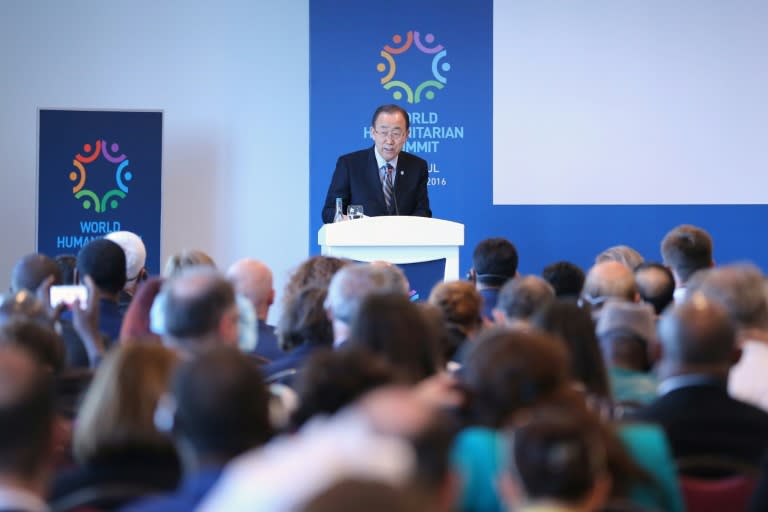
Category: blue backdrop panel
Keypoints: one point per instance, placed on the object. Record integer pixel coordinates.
(452, 130)
(433, 58)
(99, 171)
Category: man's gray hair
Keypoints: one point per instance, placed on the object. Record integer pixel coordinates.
(623, 254)
(740, 288)
(353, 283)
(521, 297)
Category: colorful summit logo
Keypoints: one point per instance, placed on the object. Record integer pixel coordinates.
(110, 199)
(425, 89)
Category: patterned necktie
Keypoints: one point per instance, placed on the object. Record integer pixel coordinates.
(389, 187)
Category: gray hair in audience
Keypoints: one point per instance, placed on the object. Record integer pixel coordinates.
(740, 288)
(353, 283)
(195, 301)
(398, 280)
(521, 297)
(623, 254)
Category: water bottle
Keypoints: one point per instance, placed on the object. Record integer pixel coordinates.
(339, 215)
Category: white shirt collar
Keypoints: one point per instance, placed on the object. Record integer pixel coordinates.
(683, 381)
(380, 162)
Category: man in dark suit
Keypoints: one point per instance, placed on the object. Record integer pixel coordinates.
(383, 179)
(700, 418)
(253, 280)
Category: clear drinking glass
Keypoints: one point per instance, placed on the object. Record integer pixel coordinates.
(355, 211)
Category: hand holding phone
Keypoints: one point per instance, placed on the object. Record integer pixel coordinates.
(67, 294)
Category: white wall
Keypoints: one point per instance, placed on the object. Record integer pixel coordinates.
(232, 78)
(633, 102)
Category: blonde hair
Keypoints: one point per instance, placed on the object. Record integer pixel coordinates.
(119, 406)
(184, 259)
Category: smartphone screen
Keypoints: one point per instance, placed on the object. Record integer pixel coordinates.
(67, 294)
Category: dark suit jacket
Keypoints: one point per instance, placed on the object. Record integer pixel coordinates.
(704, 420)
(267, 346)
(356, 181)
(187, 497)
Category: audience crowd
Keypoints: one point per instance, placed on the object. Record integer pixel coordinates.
(634, 385)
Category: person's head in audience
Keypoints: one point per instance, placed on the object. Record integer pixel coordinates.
(430, 432)
(609, 280)
(332, 380)
(494, 262)
(349, 286)
(185, 259)
(697, 337)
(685, 250)
(740, 288)
(397, 278)
(521, 298)
(623, 254)
(42, 342)
(351, 495)
(627, 334)
(448, 342)
(135, 258)
(574, 327)
(656, 285)
(31, 270)
(304, 321)
(393, 327)
(219, 405)
(24, 305)
(558, 460)
(104, 261)
(118, 409)
(253, 280)
(315, 272)
(461, 305)
(67, 264)
(508, 370)
(26, 425)
(565, 277)
(200, 309)
(136, 321)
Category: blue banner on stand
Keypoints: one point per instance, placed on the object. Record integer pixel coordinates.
(433, 58)
(99, 171)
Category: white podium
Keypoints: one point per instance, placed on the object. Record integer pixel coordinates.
(396, 239)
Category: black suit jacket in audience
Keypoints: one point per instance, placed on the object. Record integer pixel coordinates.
(356, 181)
(703, 419)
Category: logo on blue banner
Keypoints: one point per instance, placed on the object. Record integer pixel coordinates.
(432, 67)
(91, 198)
(99, 171)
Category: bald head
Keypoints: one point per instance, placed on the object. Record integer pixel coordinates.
(200, 307)
(656, 285)
(697, 336)
(31, 270)
(609, 280)
(253, 279)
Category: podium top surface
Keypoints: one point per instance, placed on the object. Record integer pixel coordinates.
(392, 230)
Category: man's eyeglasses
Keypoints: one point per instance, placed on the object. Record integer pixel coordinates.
(395, 135)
